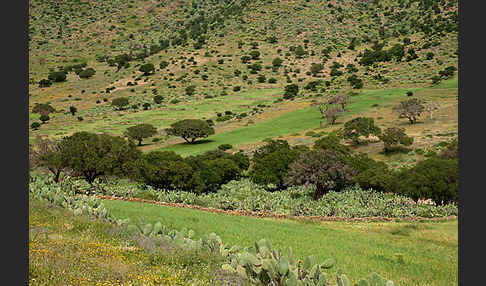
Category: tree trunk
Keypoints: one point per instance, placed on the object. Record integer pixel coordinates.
(140, 142)
(319, 192)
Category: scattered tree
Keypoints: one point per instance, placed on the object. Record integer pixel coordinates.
(120, 102)
(147, 69)
(190, 129)
(140, 131)
(35, 125)
(46, 153)
(158, 99)
(44, 118)
(291, 91)
(73, 110)
(394, 136)
(43, 108)
(330, 112)
(410, 109)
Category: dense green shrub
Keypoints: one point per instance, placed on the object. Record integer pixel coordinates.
(35, 125)
(394, 136)
(45, 82)
(163, 65)
(87, 73)
(261, 78)
(360, 126)
(190, 90)
(190, 129)
(433, 178)
(271, 162)
(120, 102)
(164, 170)
(147, 68)
(332, 143)
(57, 76)
(224, 147)
(44, 118)
(73, 110)
(91, 155)
(291, 91)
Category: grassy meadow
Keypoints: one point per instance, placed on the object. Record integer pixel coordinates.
(424, 253)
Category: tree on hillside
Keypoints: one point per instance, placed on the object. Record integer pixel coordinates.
(57, 76)
(190, 129)
(43, 108)
(147, 68)
(360, 126)
(326, 170)
(44, 118)
(91, 155)
(73, 110)
(410, 109)
(120, 102)
(291, 91)
(332, 143)
(87, 73)
(431, 107)
(140, 131)
(316, 68)
(158, 99)
(190, 90)
(394, 136)
(276, 63)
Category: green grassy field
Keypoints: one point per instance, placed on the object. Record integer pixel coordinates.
(288, 123)
(429, 250)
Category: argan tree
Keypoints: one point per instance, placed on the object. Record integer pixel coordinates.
(91, 155)
(360, 126)
(140, 131)
(339, 99)
(147, 69)
(120, 102)
(43, 108)
(394, 136)
(73, 110)
(410, 109)
(190, 129)
(326, 170)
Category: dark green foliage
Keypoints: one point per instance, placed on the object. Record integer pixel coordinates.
(164, 170)
(448, 72)
(430, 55)
(312, 85)
(435, 79)
(190, 90)
(327, 170)
(44, 118)
(272, 80)
(163, 65)
(35, 125)
(332, 143)
(433, 178)
(291, 91)
(140, 131)
(254, 68)
(73, 110)
(45, 83)
(277, 62)
(316, 68)
(355, 82)
(350, 68)
(91, 155)
(147, 69)
(271, 162)
(43, 108)
(370, 174)
(394, 136)
(245, 59)
(236, 88)
(255, 55)
(261, 78)
(409, 93)
(80, 118)
(87, 73)
(190, 129)
(120, 102)
(224, 147)
(158, 99)
(57, 76)
(360, 126)
(300, 52)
